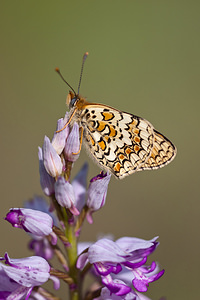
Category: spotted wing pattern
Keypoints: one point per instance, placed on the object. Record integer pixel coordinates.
(120, 142)
(162, 153)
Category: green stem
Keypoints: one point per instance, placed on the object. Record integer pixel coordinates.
(72, 257)
(74, 273)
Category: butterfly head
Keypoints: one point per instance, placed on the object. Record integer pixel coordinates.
(71, 99)
(75, 101)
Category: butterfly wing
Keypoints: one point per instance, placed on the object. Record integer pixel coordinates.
(118, 141)
(163, 153)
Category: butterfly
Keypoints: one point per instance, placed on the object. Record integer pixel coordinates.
(119, 142)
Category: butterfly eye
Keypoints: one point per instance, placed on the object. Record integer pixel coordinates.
(73, 101)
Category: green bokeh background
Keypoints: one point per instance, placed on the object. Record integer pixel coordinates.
(144, 59)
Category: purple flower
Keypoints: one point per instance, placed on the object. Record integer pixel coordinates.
(72, 144)
(127, 255)
(32, 221)
(132, 295)
(46, 180)
(97, 192)
(51, 159)
(64, 194)
(19, 276)
(10, 289)
(59, 138)
(40, 203)
(40, 244)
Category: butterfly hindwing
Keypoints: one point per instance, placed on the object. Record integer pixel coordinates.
(162, 153)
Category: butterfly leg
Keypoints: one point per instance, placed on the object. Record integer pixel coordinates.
(81, 141)
(67, 122)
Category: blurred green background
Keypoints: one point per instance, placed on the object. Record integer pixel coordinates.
(144, 59)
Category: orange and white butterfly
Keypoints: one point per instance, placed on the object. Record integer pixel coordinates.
(120, 142)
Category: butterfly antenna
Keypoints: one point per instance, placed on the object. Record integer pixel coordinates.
(58, 71)
(83, 61)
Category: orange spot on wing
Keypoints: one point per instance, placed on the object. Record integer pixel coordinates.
(117, 167)
(121, 156)
(128, 151)
(136, 139)
(134, 122)
(136, 148)
(92, 141)
(107, 116)
(135, 130)
(101, 126)
(102, 145)
(112, 131)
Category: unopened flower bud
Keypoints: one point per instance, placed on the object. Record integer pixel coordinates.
(32, 221)
(52, 160)
(72, 147)
(97, 192)
(59, 138)
(64, 194)
(46, 180)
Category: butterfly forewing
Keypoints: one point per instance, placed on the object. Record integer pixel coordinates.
(119, 141)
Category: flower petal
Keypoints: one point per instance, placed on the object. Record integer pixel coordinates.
(105, 250)
(51, 159)
(59, 138)
(72, 144)
(116, 286)
(138, 247)
(29, 271)
(46, 180)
